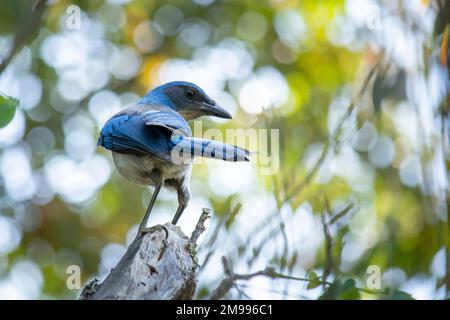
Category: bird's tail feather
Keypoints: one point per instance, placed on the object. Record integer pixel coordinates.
(212, 149)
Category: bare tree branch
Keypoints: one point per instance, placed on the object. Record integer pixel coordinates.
(200, 227)
(162, 264)
(230, 281)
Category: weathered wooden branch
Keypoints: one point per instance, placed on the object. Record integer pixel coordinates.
(160, 265)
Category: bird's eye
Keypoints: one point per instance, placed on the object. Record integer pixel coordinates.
(190, 93)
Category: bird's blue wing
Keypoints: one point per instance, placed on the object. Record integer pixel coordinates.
(171, 120)
(150, 132)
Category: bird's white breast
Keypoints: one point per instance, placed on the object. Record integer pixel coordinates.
(138, 168)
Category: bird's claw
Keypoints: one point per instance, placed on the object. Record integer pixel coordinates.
(143, 231)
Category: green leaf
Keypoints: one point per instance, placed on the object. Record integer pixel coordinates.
(8, 107)
(340, 214)
(203, 292)
(340, 290)
(349, 291)
(395, 294)
(312, 285)
(314, 281)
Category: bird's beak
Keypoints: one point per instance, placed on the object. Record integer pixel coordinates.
(214, 109)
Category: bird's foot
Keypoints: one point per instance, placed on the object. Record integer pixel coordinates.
(144, 230)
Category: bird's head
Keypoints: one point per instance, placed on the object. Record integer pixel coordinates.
(187, 99)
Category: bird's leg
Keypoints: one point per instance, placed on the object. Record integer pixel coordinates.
(183, 199)
(143, 226)
(156, 177)
(178, 213)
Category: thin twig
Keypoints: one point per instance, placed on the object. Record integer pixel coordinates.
(212, 239)
(328, 242)
(200, 227)
(22, 35)
(230, 281)
(340, 214)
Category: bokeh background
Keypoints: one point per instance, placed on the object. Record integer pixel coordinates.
(358, 89)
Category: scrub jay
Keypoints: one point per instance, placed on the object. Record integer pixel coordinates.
(152, 144)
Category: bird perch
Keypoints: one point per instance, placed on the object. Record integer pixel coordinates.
(160, 265)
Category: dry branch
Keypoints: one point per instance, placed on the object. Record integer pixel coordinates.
(160, 265)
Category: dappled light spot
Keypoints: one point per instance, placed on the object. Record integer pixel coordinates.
(17, 173)
(82, 179)
(13, 131)
(252, 26)
(411, 171)
(10, 235)
(146, 38)
(382, 152)
(168, 20)
(103, 105)
(267, 88)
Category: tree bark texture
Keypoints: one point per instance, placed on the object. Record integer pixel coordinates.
(159, 265)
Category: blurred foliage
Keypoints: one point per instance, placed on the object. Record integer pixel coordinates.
(359, 91)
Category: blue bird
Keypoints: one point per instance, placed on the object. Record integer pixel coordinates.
(152, 144)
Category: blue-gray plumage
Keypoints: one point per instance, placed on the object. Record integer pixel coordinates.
(148, 138)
